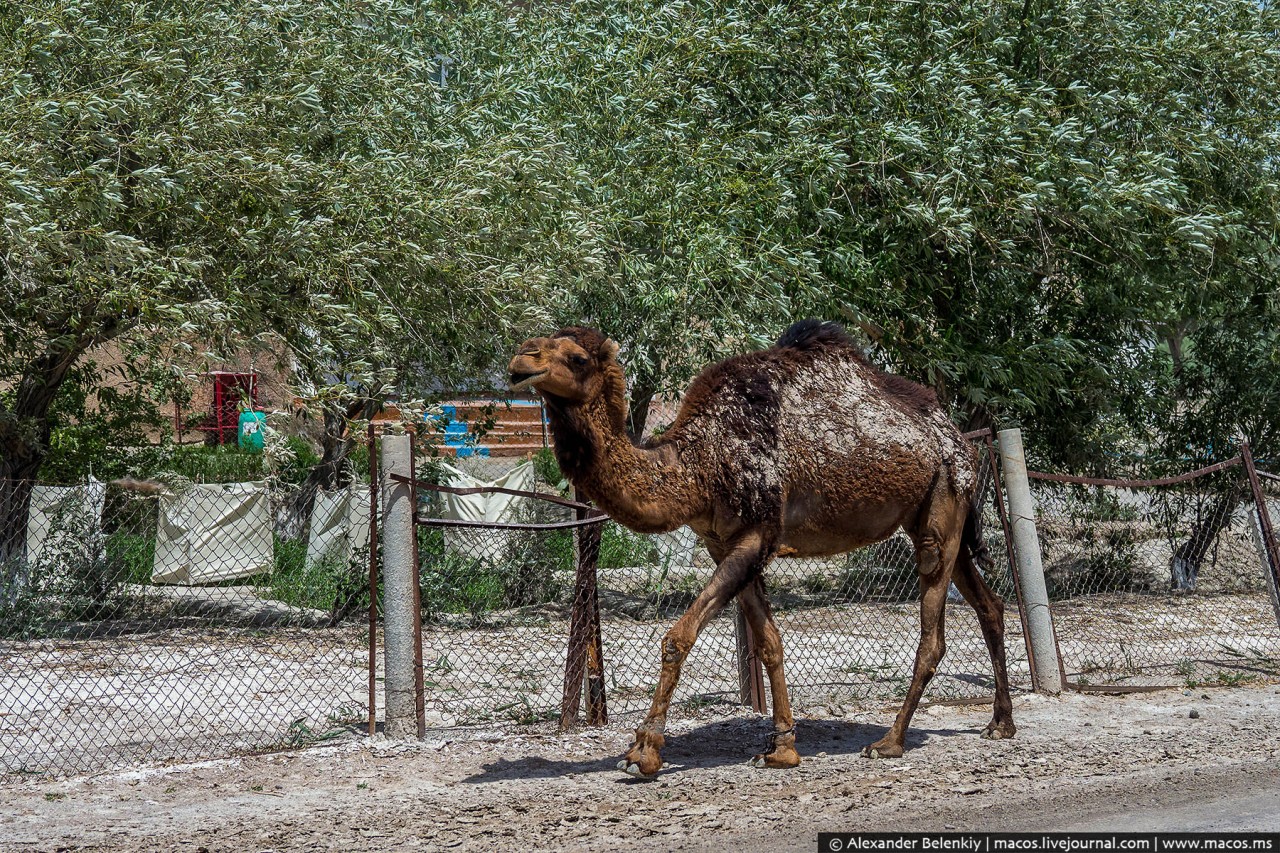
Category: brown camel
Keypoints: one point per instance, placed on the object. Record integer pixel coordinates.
(804, 449)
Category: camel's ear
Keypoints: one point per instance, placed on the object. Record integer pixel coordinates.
(608, 349)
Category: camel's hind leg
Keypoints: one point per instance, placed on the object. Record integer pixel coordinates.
(746, 557)
(990, 611)
(937, 541)
(782, 743)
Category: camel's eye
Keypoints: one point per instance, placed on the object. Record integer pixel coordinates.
(577, 361)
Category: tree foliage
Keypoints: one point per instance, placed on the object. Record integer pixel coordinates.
(180, 176)
(1021, 204)
(1057, 214)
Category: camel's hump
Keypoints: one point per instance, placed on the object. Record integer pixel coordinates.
(804, 334)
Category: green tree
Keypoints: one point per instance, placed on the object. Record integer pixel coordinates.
(1039, 188)
(681, 212)
(1015, 202)
(176, 175)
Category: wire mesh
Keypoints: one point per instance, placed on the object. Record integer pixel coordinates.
(1269, 485)
(161, 620)
(1157, 585)
(497, 610)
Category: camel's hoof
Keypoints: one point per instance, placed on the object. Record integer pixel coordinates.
(775, 762)
(1001, 731)
(878, 750)
(633, 769)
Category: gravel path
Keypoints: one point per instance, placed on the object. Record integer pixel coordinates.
(1078, 761)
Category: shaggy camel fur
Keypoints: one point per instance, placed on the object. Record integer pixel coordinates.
(803, 449)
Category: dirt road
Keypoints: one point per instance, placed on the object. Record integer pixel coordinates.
(1083, 762)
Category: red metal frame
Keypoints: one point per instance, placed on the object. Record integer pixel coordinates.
(224, 415)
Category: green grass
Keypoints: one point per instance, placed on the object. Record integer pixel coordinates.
(455, 583)
(317, 585)
(620, 547)
(530, 567)
(134, 555)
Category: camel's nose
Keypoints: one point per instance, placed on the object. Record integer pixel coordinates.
(526, 361)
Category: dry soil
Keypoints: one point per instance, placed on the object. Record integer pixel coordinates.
(1095, 761)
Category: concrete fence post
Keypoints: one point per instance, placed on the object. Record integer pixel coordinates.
(1030, 568)
(399, 599)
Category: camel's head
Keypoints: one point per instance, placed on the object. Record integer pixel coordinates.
(571, 364)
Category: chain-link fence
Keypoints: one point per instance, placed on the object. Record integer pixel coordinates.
(162, 620)
(1267, 538)
(1157, 582)
(497, 609)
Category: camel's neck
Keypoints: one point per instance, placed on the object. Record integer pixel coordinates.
(643, 489)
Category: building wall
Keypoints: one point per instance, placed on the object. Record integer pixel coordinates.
(272, 366)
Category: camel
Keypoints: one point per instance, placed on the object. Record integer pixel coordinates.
(803, 449)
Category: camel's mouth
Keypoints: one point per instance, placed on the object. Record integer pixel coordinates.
(521, 381)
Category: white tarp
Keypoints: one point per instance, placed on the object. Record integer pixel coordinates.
(481, 543)
(64, 518)
(213, 533)
(339, 525)
(676, 548)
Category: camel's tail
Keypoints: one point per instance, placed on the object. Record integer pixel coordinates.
(973, 539)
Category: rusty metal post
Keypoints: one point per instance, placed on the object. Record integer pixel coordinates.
(373, 581)
(584, 658)
(1268, 546)
(750, 672)
(597, 709)
(419, 688)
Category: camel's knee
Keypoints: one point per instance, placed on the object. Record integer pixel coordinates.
(770, 655)
(928, 556)
(675, 647)
(770, 647)
(930, 654)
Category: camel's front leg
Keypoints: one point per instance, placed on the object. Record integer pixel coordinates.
(746, 556)
(782, 742)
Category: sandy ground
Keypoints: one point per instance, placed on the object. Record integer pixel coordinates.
(1092, 761)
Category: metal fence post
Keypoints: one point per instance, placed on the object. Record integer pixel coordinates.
(1264, 532)
(1026, 540)
(584, 659)
(374, 487)
(750, 674)
(400, 614)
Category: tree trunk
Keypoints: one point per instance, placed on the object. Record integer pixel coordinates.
(15, 501)
(24, 441)
(332, 473)
(638, 416)
(336, 444)
(1184, 565)
(978, 417)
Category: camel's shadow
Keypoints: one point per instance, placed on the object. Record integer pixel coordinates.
(717, 744)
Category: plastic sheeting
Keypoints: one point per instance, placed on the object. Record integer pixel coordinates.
(339, 525)
(480, 543)
(676, 548)
(63, 518)
(213, 532)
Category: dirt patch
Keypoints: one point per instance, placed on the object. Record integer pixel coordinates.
(113, 703)
(495, 789)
